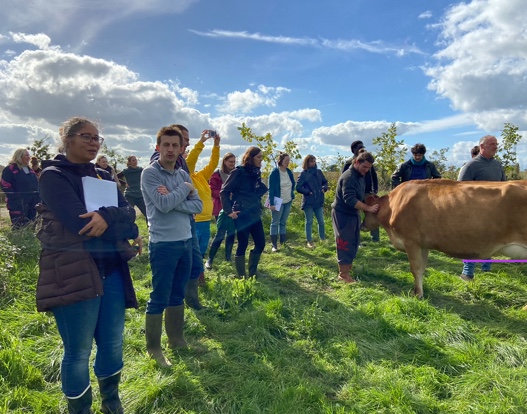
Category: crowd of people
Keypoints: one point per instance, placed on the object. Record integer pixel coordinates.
(84, 271)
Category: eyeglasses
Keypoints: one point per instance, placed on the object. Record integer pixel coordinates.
(88, 138)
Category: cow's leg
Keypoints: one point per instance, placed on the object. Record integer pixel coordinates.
(418, 258)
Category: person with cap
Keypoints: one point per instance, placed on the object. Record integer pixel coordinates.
(416, 168)
(371, 181)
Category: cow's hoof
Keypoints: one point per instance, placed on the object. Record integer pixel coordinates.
(347, 279)
(466, 278)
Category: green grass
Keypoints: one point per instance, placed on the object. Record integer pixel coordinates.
(295, 340)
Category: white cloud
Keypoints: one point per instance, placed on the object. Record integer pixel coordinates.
(425, 15)
(482, 66)
(40, 40)
(339, 44)
(246, 101)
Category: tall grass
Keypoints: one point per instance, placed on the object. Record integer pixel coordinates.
(295, 340)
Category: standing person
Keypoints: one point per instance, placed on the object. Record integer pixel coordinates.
(474, 151)
(200, 179)
(84, 277)
(241, 200)
(132, 193)
(416, 168)
(102, 162)
(35, 166)
(281, 185)
(20, 185)
(482, 167)
(371, 181)
(345, 213)
(170, 199)
(312, 184)
(224, 224)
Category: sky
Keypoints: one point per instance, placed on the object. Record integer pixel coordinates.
(319, 73)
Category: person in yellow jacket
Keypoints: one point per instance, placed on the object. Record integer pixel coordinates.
(200, 179)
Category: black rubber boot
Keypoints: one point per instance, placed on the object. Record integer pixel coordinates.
(254, 259)
(81, 405)
(174, 321)
(109, 389)
(191, 294)
(239, 262)
(283, 238)
(274, 242)
(212, 253)
(229, 243)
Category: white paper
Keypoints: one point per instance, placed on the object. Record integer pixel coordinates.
(99, 193)
(277, 203)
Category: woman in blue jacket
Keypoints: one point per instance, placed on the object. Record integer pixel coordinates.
(20, 184)
(281, 185)
(312, 184)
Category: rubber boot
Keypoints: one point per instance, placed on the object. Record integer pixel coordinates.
(109, 389)
(254, 259)
(229, 244)
(274, 242)
(174, 321)
(212, 253)
(239, 262)
(283, 238)
(191, 294)
(153, 327)
(344, 273)
(81, 405)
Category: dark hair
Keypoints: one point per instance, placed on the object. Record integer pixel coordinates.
(365, 156)
(281, 157)
(71, 127)
(355, 146)
(418, 149)
(170, 131)
(250, 153)
(474, 151)
(180, 127)
(307, 160)
(225, 158)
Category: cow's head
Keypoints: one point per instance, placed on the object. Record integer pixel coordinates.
(370, 220)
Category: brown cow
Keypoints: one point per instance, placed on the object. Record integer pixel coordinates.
(463, 219)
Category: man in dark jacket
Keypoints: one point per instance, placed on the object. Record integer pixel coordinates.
(371, 182)
(416, 168)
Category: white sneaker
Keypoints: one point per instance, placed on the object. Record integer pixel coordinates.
(274, 249)
(310, 244)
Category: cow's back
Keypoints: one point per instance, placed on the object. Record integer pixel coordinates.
(465, 219)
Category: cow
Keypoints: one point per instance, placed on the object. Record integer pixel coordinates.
(463, 219)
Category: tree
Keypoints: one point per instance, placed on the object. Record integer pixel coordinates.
(391, 153)
(507, 153)
(41, 148)
(269, 148)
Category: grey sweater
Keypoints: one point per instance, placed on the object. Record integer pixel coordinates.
(482, 169)
(168, 214)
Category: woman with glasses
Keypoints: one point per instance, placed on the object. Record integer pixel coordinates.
(84, 277)
(20, 184)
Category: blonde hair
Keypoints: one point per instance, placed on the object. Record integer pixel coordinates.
(17, 157)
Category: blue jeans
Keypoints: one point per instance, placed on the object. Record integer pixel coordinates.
(203, 235)
(170, 263)
(279, 219)
(196, 266)
(319, 214)
(470, 267)
(102, 319)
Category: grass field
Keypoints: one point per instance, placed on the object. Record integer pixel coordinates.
(295, 340)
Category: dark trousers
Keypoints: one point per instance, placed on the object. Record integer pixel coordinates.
(244, 230)
(347, 235)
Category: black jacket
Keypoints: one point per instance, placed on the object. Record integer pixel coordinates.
(243, 191)
(371, 180)
(404, 172)
(312, 184)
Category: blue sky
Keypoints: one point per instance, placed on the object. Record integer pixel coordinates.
(319, 73)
